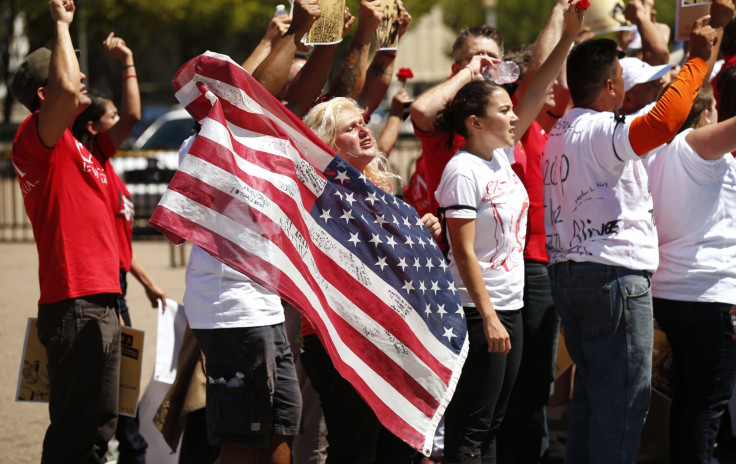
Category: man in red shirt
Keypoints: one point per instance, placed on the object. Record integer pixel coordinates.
(65, 194)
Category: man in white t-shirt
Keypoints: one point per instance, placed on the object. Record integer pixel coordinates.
(602, 243)
(254, 404)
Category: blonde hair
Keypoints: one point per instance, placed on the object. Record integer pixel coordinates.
(324, 120)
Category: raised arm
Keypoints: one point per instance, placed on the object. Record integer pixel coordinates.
(661, 123)
(654, 44)
(61, 94)
(536, 92)
(130, 105)
(548, 36)
(277, 27)
(721, 13)
(714, 140)
(351, 76)
(381, 69)
(390, 133)
(274, 71)
(310, 80)
(425, 108)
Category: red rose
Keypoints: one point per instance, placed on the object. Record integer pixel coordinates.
(404, 74)
(581, 5)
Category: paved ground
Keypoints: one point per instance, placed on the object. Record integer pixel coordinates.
(22, 425)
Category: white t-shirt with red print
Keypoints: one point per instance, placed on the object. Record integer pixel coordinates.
(502, 206)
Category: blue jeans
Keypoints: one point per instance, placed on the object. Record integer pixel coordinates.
(704, 367)
(523, 437)
(606, 312)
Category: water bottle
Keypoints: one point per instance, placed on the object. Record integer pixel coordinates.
(502, 73)
(280, 10)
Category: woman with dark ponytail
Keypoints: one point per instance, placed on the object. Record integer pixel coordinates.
(485, 206)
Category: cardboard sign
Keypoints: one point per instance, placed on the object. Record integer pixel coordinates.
(131, 363)
(387, 34)
(328, 28)
(33, 379)
(686, 13)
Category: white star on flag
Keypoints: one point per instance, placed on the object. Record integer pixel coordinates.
(341, 176)
(435, 287)
(460, 311)
(372, 198)
(350, 198)
(347, 215)
(441, 311)
(354, 239)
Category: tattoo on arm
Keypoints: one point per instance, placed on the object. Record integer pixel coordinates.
(378, 69)
(344, 85)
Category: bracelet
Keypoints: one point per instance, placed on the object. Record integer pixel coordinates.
(552, 115)
(129, 76)
(129, 66)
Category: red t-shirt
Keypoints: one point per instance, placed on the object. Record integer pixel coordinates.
(121, 201)
(66, 198)
(527, 155)
(436, 155)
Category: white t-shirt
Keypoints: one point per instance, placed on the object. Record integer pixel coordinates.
(500, 222)
(596, 198)
(217, 296)
(695, 209)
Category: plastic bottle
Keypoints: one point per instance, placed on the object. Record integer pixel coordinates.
(280, 10)
(502, 73)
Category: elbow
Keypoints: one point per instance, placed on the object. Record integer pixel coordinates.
(422, 115)
(657, 57)
(67, 89)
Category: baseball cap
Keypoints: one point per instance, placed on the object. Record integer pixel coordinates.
(635, 71)
(32, 73)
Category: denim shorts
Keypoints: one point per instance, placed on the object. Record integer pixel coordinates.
(252, 388)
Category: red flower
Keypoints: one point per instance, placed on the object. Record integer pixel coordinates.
(581, 5)
(404, 74)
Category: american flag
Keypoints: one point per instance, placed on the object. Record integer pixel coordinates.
(263, 194)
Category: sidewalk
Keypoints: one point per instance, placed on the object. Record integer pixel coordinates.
(22, 425)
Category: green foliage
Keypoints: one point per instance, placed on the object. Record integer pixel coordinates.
(519, 21)
(460, 13)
